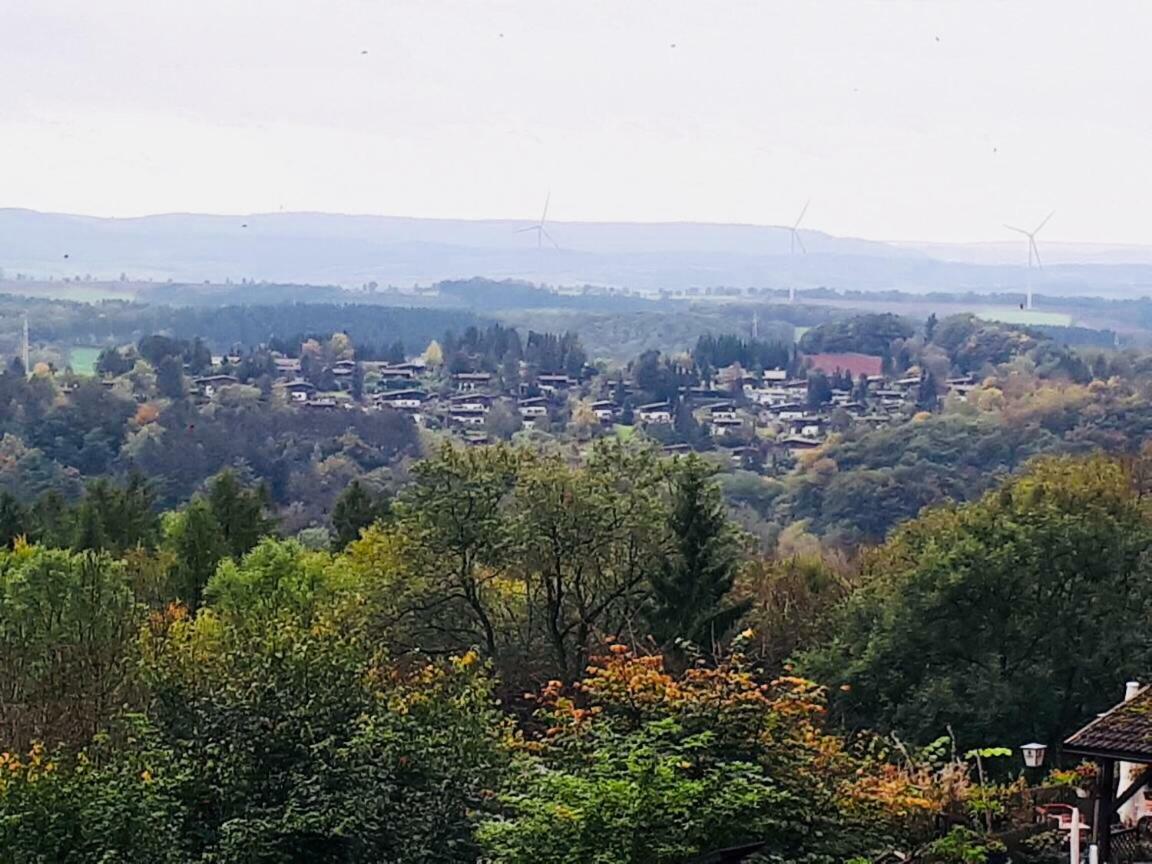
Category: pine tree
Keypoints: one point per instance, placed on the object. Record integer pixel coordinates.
(927, 399)
(684, 422)
(239, 512)
(690, 588)
(199, 547)
(355, 510)
(170, 378)
(89, 534)
(13, 519)
(129, 514)
(819, 389)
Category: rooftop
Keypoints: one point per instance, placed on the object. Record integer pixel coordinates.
(854, 364)
(1123, 732)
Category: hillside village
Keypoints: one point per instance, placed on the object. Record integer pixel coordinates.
(758, 416)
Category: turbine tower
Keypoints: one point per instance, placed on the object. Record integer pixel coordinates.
(794, 241)
(1033, 253)
(541, 231)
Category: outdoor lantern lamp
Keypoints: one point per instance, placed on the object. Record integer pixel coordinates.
(1034, 754)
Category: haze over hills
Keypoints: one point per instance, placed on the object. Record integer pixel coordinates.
(1014, 252)
(647, 257)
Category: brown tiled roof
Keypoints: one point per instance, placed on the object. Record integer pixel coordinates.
(854, 364)
(1125, 731)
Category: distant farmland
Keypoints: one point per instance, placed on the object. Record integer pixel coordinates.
(1026, 317)
(83, 360)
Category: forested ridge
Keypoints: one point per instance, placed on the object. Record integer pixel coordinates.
(237, 630)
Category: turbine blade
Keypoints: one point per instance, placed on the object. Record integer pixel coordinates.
(1036, 250)
(800, 240)
(800, 218)
(529, 228)
(544, 215)
(1045, 222)
(544, 231)
(1018, 230)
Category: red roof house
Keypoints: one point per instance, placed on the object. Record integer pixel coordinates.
(854, 364)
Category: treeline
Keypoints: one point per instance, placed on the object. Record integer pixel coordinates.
(497, 348)
(510, 294)
(716, 352)
(866, 334)
(223, 327)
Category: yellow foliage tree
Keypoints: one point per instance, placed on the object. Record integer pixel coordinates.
(340, 347)
(434, 354)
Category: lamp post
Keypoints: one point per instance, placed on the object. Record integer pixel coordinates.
(1034, 758)
(1034, 754)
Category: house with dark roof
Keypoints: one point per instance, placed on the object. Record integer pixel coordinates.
(654, 412)
(797, 444)
(724, 418)
(286, 367)
(787, 411)
(210, 384)
(402, 400)
(1119, 741)
(472, 402)
(550, 383)
(469, 381)
(299, 390)
(533, 407)
(605, 410)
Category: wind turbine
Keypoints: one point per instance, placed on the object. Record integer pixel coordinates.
(794, 241)
(541, 231)
(1033, 252)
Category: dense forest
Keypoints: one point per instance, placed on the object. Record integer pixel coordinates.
(521, 660)
(55, 324)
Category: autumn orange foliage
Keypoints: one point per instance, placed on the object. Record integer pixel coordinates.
(778, 724)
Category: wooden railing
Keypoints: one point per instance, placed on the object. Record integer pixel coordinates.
(1130, 845)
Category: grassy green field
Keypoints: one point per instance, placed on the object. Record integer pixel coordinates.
(83, 360)
(1026, 317)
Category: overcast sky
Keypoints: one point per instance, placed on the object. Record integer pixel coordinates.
(900, 120)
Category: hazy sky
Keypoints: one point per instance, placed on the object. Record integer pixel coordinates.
(901, 120)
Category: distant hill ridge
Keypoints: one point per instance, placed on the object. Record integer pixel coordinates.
(354, 250)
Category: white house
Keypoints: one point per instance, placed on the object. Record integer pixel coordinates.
(605, 410)
(551, 383)
(403, 400)
(530, 409)
(655, 412)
